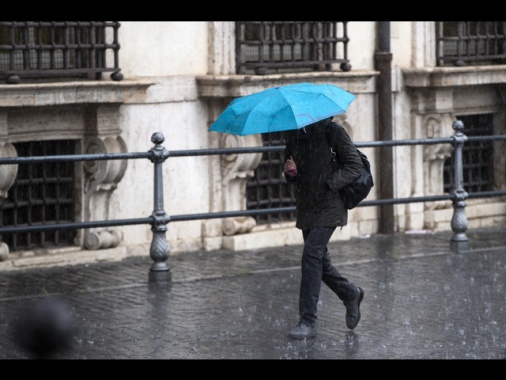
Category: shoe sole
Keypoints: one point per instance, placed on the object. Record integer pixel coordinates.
(361, 296)
(359, 302)
(299, 335)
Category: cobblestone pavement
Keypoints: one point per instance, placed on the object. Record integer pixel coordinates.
(422, 301)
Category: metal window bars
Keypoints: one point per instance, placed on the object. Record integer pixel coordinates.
(42, 194)
(266, 47)
(80, 50)
(461, 43)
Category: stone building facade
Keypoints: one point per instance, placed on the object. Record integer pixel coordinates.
(179, 76)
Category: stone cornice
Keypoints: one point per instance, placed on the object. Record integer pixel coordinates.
(68, 93)
(233, 86)
(454, 76)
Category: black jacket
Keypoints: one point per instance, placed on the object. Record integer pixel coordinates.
(316, 186)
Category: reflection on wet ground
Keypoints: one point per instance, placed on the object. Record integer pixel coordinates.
(422, 302)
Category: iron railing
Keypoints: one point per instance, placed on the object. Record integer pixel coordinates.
(159, 219)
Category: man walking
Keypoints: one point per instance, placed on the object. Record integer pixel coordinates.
(320, 210)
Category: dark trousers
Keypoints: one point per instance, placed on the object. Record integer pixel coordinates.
(316, 267)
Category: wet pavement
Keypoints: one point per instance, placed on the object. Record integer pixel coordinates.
(422, 301)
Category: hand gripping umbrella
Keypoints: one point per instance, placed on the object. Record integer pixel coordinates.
(282, 108)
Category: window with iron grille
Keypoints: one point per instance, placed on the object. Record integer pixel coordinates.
(41, 194)
(266, 47)
(461, 43)
(58, 50)
(477, 157)
(267, 188)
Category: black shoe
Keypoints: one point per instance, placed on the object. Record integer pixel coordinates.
(353, 310)
(302, 331)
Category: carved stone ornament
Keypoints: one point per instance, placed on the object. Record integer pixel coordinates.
(101, 179)
(236, 170)
(7, 172)
(7, 177)
(434, 158)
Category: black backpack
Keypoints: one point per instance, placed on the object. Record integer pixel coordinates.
(358, 190)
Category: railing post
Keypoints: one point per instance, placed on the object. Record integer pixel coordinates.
(459, 242)
(159, 250)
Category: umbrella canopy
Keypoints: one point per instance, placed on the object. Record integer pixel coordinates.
(282, 108)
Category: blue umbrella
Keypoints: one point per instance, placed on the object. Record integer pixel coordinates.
(282, 108)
